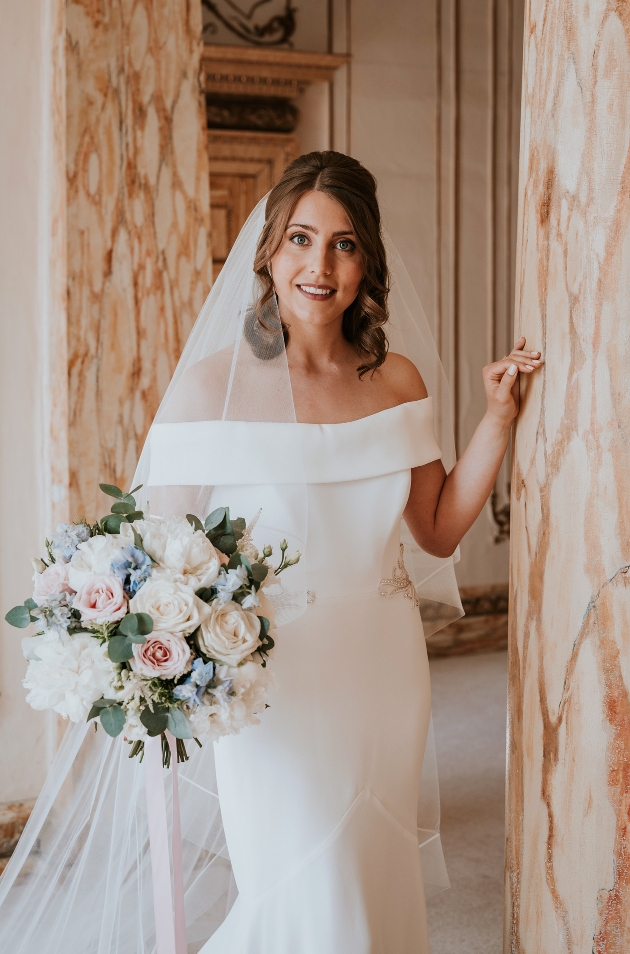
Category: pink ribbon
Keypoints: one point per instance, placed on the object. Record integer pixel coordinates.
(168, 896)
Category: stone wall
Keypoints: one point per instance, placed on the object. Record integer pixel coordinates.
(138, 224)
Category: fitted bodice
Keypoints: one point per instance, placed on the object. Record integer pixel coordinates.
(351, 479)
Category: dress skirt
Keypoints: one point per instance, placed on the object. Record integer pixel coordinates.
(319, 802)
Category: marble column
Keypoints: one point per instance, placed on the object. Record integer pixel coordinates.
(568, 802)
(139, 264)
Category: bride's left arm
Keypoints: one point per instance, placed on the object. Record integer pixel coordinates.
(442, 508)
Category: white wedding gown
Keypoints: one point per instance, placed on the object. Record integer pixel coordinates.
(319, 802)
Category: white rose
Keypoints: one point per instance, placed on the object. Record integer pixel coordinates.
(94, 556)
(68, 674)
(177, 547)
(172, 605)
(229, 633)
(51, 582)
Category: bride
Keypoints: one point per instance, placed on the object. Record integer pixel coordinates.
(310, 390)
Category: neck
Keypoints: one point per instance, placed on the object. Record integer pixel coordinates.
(312, 347)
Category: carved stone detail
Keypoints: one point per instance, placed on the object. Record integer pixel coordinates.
(261, 72)
(251, 113)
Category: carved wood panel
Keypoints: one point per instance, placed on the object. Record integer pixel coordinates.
(244, 166)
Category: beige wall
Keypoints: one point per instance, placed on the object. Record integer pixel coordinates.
(430, 104)
(31, 267)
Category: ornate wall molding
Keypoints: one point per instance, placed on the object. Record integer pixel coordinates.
(242, 70)
(277, 28)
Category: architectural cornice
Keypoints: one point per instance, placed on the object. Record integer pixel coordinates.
(242, 70)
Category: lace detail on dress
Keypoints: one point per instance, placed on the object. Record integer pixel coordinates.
(400, 582)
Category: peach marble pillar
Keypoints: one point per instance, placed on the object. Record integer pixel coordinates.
(568, 803)
(138, 223)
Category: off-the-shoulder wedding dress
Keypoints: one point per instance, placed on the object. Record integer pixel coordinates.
(319, 803)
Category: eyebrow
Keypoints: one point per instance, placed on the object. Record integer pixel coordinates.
(311, 228)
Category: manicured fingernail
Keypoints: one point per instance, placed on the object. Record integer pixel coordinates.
(512, 369)
(534, 352)
(529, 367)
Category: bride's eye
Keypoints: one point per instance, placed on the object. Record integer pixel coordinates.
(299, 239)
(345, 245)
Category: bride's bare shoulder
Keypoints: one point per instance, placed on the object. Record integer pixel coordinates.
(402, 376)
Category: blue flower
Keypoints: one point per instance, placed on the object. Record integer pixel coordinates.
(193, 689)
(133, 567)
(66, 539)
(251, 600)
(228, 583)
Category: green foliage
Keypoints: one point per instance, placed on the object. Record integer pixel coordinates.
(134, 624)
(113, 720)
(123, 511)
(22, 616)
(195, 522)
(110, 714)
(178, 725)
(120, 649)
(222, 532)
(154, 720)
(266, 641)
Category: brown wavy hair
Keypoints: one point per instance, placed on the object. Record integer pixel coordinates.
(354, 188)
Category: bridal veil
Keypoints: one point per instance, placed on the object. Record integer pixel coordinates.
(79, 881)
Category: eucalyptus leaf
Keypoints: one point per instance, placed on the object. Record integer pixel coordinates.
(238, 523)
(98, 705)
(19, 616)
(30, 602)
(155, 722)
(137, 638)
(136, 489)
(226, 543)
(113, 720)
(119, 649)
(111, 523)
(236, 560)
(259, 572)
(135, 515)
(195, 522)
(137, 539)
(128, 625)
(264, 626)
(122, 507)
(144, 623)
(178, 725)
(111, 490)
(206, 593)
(216, 518)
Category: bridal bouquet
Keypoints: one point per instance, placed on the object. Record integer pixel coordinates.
(150, 623)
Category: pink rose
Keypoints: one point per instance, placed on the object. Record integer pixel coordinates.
(101, 599)
(166, 655)
(223, 558)
(51, 583)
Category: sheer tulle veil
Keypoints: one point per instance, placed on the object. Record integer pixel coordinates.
(79, 881)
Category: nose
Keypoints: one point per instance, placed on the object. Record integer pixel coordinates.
(320, 262)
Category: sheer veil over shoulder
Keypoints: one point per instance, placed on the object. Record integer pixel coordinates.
(268, 816)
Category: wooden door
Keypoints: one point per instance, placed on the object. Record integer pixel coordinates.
(244, 166)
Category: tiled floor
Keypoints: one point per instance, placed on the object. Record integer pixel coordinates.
(469, 712)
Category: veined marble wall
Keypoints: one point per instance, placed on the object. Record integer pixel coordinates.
(568, 874)
(138, 224)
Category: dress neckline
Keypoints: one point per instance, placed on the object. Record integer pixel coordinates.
(359, 420)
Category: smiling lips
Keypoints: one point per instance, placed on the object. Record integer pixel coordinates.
(317, 292)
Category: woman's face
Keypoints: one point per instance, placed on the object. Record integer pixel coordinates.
(318, 268)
